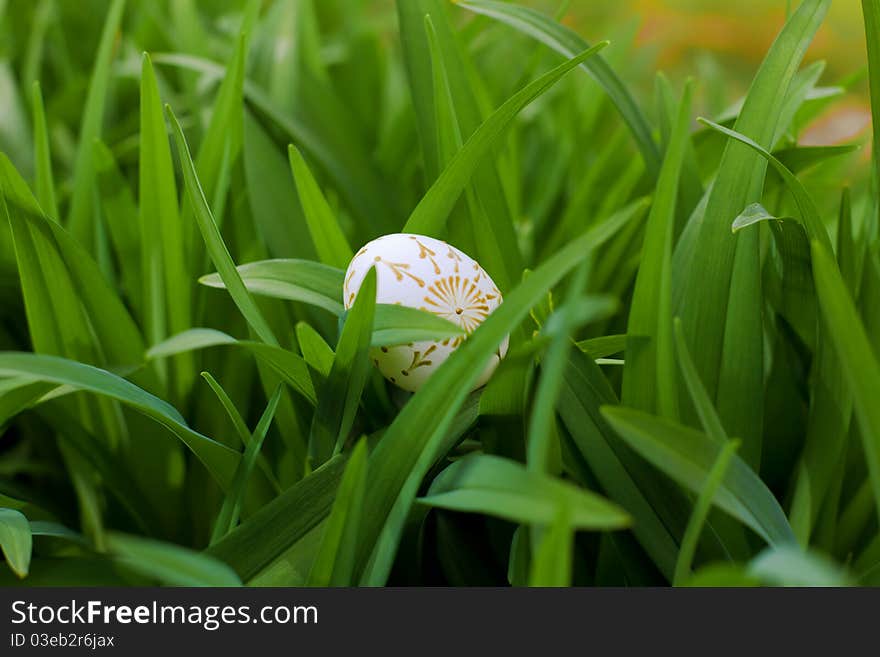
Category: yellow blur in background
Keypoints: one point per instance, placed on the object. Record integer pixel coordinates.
(725, 40)
(742, 30)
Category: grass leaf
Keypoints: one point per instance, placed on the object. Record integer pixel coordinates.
(429, 216)
(855, 354)
(649, 366)
(720, 305)
(296, 280)
(687, 455)
(252, 545)
(567, 43)
(214, 241)
(334, 563)
(790, 566)
(705, 409)
(219, 460)
(341, 392)
(44, 180)
(229, 512)
(327, 236)
(15, 541)
(552, 564)
(291, 367)
(504, 488)
(168, 563)
(79, 217)
(167, 282)
(701, 511)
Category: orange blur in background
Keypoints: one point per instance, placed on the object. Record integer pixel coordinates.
(684, 37)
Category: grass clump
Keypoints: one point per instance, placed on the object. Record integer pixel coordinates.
(693, 307)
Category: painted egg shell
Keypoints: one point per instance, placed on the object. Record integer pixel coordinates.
(425, 273)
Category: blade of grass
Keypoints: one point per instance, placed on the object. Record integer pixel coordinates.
(341, 392)
(501, 487)
(552, 565)
(327, 236)
(704, 407)
(120, 212)
(567, 43)
(394, 325)
(297, 280)
(15, 541)
(274, 203)
(316, 352)
(430, 214)
(541, 429)
(44, 181)
(241, 429)
(620, 476)
(720, 305)
(214, 241)
(79, 215)
(231, 509)
(802, 158)
(649, 369)
(334, 562)
(687, 455)
(856, 356)
(603, 346)
(222, 140)
(848, 254)
(167, 286)
(219, 460)
(169, 563)
(701, 511)
(275, 527)
(291, 367)
(455, 114)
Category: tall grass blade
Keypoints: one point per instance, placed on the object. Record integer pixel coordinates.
(167, 281)
(79, 216)
(720, 305)
(340, 394)
(15, 541)
(688, 455)
(650, 363)
(856, 356)
(214, 241)
(44, 181)
(231, 509)
(334, 563)
(430, 214)
(327, 236)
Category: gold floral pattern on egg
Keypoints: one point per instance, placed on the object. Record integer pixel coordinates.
(458, 300)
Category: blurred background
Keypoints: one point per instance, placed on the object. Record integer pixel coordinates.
(722, 43)
(719, 42)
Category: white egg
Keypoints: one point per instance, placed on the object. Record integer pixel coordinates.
(425, 273)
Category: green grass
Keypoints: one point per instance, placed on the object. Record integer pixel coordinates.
(693, 307)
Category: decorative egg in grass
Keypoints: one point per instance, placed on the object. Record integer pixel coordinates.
(425, 273)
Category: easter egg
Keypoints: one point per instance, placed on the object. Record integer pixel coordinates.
(429, 274)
